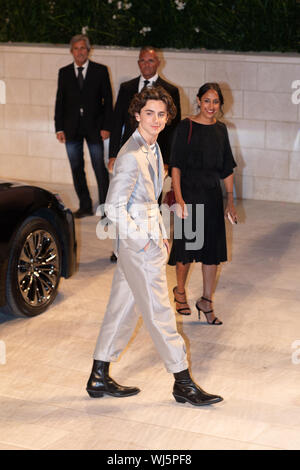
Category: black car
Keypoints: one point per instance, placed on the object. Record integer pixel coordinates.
(37, 247)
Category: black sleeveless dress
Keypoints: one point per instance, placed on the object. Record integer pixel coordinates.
(203, 154)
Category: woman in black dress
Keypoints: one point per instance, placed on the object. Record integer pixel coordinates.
(201, 156)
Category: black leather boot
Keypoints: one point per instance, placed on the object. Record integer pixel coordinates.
(100, 383)
(185, 390)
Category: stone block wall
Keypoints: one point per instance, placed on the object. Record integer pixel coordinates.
(262, 119)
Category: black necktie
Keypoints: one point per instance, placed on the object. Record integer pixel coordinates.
(80, 77)
(146, 83)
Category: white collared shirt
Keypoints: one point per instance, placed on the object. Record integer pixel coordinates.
(151, 81)
(84, 66)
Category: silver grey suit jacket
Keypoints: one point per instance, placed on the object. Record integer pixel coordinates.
(131, 202)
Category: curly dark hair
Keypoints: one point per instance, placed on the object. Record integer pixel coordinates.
(156, 93)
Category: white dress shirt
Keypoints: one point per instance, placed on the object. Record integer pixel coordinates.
(151, 81)
(84, 67)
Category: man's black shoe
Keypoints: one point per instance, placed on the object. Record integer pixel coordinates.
(100, 383)
(80, 213)
(185, 390)
(113, 258)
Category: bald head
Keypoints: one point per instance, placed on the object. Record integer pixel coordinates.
(148, 62)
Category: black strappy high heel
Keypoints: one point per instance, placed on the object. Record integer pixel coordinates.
(184, 310)
(215, 321)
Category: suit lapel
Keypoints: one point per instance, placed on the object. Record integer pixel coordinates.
(156, 162)
(72, 76)
(160, 169)
(135, 86)
(161, 82)
(131, 89)
(146, 149)
(158, 82)
(89, 73)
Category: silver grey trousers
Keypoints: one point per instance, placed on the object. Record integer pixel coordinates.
(140, 280)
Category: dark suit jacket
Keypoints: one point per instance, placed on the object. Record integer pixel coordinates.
(121, 117)
(95, 99)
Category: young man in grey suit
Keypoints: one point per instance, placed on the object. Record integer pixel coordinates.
(142, 245)
(123, 128)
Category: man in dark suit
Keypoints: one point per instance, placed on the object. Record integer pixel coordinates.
(122, 124)
(83, 110)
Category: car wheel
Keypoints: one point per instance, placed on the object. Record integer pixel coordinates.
(34, 268)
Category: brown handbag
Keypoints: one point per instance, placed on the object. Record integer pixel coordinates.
(169, 198)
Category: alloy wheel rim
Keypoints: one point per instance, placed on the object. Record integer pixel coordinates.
(38, 268)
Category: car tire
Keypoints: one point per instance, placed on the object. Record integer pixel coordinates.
(34, 268)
